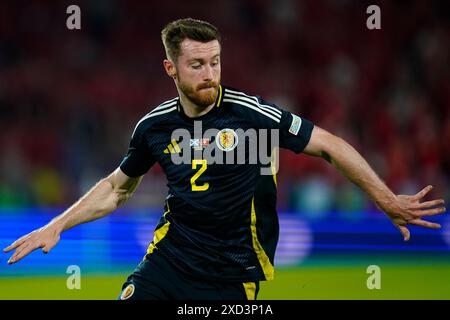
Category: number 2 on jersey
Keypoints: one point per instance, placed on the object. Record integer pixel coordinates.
(202, 169)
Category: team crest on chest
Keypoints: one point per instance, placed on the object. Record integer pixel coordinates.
(227, 139)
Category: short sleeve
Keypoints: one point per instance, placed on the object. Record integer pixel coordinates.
(294, 130)
(138, 159)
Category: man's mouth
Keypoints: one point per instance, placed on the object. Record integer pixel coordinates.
(206, 88)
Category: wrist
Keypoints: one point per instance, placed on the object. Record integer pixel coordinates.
(388, 204)
(57, 225)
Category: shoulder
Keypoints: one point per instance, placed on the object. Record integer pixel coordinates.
(251, 105)
(160, 113)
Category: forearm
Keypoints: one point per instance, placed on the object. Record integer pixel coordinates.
(95, 204)
(102, 199)
(353, 166)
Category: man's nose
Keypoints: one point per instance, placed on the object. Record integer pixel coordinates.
(208, 73)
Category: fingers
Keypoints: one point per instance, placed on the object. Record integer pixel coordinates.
(42, 238)
(17, 243)
(18, 253)
(426, 224)
(23, 251)
(405, 232)
(26, 248)
(422, 193)
(48, 247)
(429, 204)
(430, 212)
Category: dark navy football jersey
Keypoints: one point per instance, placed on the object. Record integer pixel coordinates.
(220, 220)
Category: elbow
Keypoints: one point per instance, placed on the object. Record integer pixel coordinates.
(336, 150)
(325, 155)
(330, 146)
(323, 144)
(122, 187)
(122, 198)
(112, 197)
(119, 197)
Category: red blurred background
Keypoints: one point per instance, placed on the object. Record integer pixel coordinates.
(69, 99)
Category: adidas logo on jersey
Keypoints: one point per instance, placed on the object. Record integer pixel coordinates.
(172, 147)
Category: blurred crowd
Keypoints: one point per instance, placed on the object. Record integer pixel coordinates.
(69, 99)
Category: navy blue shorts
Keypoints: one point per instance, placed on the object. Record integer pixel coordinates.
(155, 278)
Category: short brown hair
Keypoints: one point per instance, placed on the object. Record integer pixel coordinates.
(176, 31)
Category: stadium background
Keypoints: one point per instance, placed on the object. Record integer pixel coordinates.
(69, 101)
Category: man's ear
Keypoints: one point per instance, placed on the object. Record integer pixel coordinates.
(169, 66)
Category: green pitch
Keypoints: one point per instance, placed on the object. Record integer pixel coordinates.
(311, 282)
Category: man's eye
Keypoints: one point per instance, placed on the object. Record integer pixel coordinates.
(196, 66)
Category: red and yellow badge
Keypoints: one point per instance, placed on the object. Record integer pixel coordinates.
(127, 292)
(226, 139)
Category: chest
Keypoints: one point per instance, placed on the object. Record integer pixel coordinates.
(223, 147)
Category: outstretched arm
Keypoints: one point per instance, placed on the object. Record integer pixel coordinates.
(108, 194)
(401, 209)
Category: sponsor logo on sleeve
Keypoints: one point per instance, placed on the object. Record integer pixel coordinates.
(295, 125)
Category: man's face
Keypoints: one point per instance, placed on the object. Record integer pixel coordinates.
(198, 71)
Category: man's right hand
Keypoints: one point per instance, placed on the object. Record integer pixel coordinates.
(103, 198)
(46, 238)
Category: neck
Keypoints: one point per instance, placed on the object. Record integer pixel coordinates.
(191, 109)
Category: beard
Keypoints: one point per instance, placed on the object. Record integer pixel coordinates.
(201, 98)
